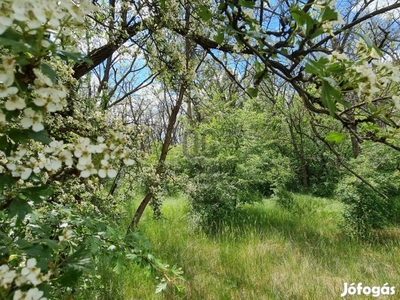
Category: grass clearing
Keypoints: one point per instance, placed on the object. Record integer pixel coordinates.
(265, 252)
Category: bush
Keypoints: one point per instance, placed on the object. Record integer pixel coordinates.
(365, 209)
(214, 198)
(220, 184)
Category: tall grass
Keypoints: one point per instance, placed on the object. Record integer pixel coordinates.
(265, 252)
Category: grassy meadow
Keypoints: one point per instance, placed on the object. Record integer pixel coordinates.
(266, 252)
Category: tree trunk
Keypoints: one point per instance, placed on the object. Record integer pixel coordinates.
(355, 146)
(300, 155)
(161, 160)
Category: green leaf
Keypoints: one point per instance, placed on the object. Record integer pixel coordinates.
(335, 137)
(336, 68)
(21, 60)
(204, 13)
(330, 96)
(302, 18)
(19, 208)
(15, 40)
(6, 180)
(80, 260)
(161, 287)
(40, 136)
(253, 92)
(162, 5)
(12, 34)
(316, 33)
(49, 243)
(131, 256)
(15, 45)
(37, 250)
(248, 4)
(19, 135)
(95, 245)
(37, 193)
(329, 14)
(47, 289)
(48, 70)
(23, 135)
(378, 50)
(22, 243)
(316, 67)
(330, 80)
(4, 239)
(219, 37)
(73, 56)
(366, 39)
(312, 69)
(179, 290)
(69, 278)
(261, 74)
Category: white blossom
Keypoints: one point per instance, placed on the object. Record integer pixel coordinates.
(21, 9)
(339, 56)
(66, 235)
(5, 21)
(31, 294)
(7, 70)
(35, 294)
(81, 146)
(41, 78)
(32, 119)
(14, 102)
(129, 162)
(66, 157)
(53, 164)
(19, 171)
(86, 170)
(7, 276)
(106, 170)
(7, 90)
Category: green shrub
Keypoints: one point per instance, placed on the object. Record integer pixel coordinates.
(366, 210)
(220, 184)
(214, 198)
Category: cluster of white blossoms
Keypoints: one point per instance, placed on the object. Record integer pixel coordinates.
(47, 95)
(31, 15)
(373, 78)
(84, 150)
(40, 12)
(29, 93)
(30, 274)
(371, 74)
(82, 153)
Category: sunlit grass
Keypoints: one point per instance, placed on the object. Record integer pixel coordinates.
(265, 252)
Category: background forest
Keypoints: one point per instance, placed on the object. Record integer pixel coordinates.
(198, 149)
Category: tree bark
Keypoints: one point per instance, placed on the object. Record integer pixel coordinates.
(170, 128)
(98, 55)
(300, 155)
(163, 156)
